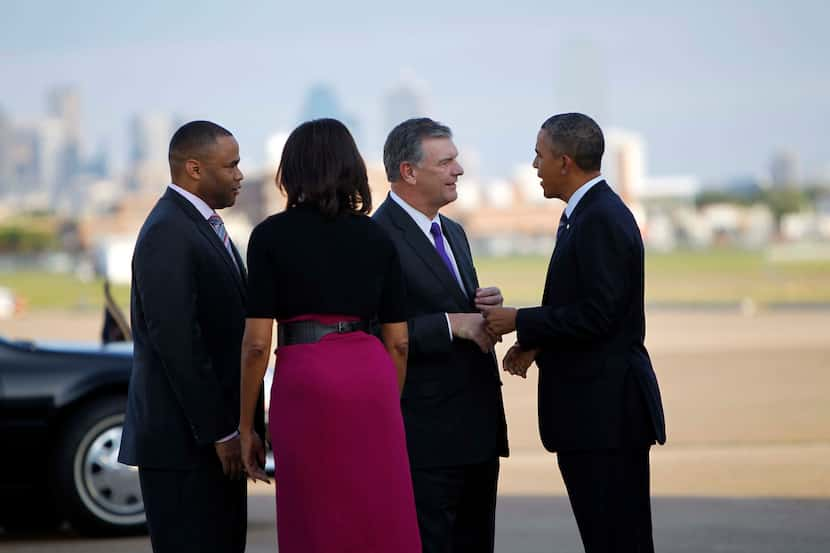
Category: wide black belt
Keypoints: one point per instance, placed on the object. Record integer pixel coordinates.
(310, 332)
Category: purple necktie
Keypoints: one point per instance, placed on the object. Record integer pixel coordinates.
(435, 231)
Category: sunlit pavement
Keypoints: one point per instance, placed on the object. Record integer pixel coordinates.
(545, 525)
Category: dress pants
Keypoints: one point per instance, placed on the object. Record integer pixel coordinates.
(199, 510)
(456, 507)
(609, 490)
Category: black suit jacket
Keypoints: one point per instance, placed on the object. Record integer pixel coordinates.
(188, 317)
(591, 330)
(452, 403)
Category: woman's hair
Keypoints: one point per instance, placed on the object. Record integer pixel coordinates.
(321, 167)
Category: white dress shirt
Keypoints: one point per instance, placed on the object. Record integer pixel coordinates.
(425, 224)
(581, 191)
(207, 212)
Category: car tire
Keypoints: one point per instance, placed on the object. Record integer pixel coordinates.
(97, 494)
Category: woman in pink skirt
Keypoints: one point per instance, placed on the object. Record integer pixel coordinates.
(325, 271)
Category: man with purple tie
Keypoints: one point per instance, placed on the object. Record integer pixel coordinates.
(451, 402)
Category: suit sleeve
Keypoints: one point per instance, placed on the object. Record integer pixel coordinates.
(604, 252)
(165, 277)
(429, 334)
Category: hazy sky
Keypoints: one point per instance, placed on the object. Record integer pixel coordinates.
(713, 87)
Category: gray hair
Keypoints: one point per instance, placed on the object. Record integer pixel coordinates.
(578, 136)
(404, 143)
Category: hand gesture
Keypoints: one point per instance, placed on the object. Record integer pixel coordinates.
(517, 360)
(253, 456)
(471, 326)
(230, 456)
(487, 298)
(501, 320)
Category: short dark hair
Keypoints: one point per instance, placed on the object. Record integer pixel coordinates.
(192, 139)
(322, 167)
(404, 143)
(578, 136)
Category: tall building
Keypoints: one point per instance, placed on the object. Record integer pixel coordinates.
(784, 169)
(149, 141)
(624, 164)
(582, 85)
(64, 105)
(6, 152)
(322, 101)
(405, 100)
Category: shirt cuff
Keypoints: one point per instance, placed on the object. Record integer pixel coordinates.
(229, 437)
(449, 326)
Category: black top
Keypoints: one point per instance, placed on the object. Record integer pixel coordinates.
(301, 263)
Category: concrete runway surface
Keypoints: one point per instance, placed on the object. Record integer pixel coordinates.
(546, 525)
(747, 402)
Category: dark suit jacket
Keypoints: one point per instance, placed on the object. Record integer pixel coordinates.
(188, 317)
(452, 403)
(591, 328)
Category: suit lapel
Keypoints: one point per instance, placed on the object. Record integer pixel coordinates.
(424, 249)
(210, 235)
(599, 188)
(462, 255)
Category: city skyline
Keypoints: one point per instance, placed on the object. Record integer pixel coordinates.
(716, 102)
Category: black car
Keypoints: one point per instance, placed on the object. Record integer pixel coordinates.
(61, 414)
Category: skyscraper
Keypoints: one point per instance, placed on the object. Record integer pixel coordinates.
(784, 169)
(149, 140)
(405, 100)
(322, 101)
(624, 164)
(64, 105)
(582, 85)
(6, 145)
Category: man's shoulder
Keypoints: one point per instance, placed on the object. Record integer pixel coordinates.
(604, 203)
(166, 222)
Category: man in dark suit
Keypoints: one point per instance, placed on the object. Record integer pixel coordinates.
(188, 317)
(599, 403)
(452, 404)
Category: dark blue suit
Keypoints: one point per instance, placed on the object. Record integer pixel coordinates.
(188, 317)
(599, 403)
(452, 401)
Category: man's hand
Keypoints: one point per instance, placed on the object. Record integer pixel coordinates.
(253, 456)
(501, 320)
(517, 360)
(230, 456)
(487, 298)
(471, 326)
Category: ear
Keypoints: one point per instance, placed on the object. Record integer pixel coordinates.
(193, 169)
(407, 170)
(567, 163)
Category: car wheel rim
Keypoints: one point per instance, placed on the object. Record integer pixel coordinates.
(110, 490)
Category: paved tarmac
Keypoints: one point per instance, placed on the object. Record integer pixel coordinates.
(546, 525)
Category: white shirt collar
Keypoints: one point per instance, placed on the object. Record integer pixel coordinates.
(197, 202)
(581, 191)
(423, 222)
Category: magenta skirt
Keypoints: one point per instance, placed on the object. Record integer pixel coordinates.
(342, 472)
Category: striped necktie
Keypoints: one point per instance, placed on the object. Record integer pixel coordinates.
(219, 227)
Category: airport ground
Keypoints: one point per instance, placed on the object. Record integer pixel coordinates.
(747, 400)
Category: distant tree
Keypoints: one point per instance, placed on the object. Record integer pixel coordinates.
(785, 200)
(20, 239)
